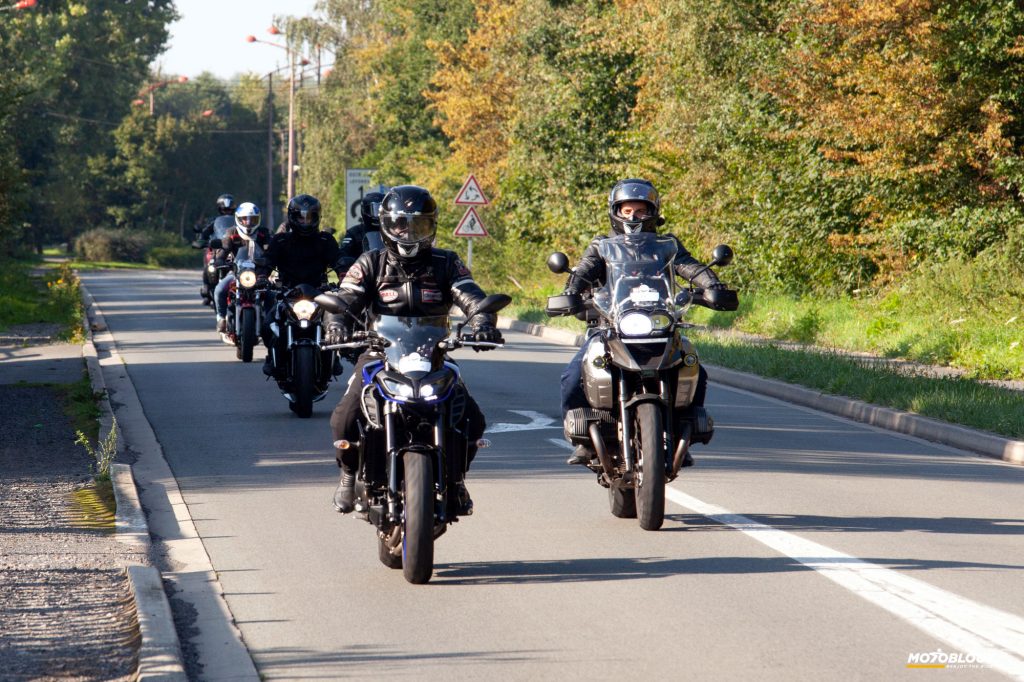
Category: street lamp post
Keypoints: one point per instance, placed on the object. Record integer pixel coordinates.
(153, 87)
(273, 30)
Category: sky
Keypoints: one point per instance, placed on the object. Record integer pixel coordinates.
(210, 36)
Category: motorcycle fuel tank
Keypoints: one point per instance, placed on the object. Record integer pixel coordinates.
(597, 380)
(689, 371)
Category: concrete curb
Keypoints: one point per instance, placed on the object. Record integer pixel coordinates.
(160, 656)
(159, 651)
(980, 442)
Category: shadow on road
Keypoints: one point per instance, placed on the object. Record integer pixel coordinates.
(863, 524)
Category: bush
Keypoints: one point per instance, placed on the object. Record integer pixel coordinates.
(105, 244)
(174, 257)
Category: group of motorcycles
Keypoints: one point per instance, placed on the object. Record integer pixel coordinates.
(640, 376)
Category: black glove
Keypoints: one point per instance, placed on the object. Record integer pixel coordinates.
(335, 333)
(487, 334)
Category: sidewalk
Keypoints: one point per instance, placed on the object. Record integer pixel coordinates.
(66, 609)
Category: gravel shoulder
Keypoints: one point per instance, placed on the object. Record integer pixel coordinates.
(66, 611)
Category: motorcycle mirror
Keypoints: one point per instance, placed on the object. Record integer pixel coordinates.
(216, 244)
(558, 262)
(722, 255)
(492, 304)
(330, 303)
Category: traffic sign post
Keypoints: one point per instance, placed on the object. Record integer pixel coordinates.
(357, 183)
(471, 226)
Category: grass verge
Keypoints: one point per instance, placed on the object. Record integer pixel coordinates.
(956, 400)
(52, 297)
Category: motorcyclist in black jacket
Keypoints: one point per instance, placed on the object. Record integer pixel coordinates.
(215, 228)
(302, 255)
(407, 277)
(247, 229)
(633, 206)
(352, 243)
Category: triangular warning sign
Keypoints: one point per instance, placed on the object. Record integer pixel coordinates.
(470, 225)
(471, 194)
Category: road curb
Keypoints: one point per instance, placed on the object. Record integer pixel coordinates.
(160, 656)
(159, 651)
(972, 440)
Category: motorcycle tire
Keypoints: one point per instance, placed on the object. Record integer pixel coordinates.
(418, 535)
(622, 502)
(247, 337)
(304, 373)
(650, 485)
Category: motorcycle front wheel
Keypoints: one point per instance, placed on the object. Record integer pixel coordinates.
(304, 373)
(247, 337)
(650, 484)
(418, 538)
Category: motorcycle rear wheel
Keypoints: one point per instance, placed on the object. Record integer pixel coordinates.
(622, 502)
(418, 538)
(650, 485)
(304, 373)
(247, 338)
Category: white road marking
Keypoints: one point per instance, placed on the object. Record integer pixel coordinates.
(537, 421)
(995, 637)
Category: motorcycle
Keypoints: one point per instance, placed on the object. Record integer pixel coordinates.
(211, 274)
(412, 452)
(305, 368)
(640, 372)
(245, 303)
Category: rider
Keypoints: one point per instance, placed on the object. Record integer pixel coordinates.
(633, 206)
(217, 227)
(247, 229)
(407, 277)
(369, 214)
(302, 255)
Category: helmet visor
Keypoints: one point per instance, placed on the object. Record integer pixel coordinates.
(249, 222)
(408, 229)
(305, 218)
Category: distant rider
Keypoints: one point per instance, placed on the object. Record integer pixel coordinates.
(633, 206)
(247, 229)
(407, 277)
(352, 243)
(216, 228)
(302, 255)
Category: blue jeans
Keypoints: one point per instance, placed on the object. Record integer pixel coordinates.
(573, 395)
(220, 294)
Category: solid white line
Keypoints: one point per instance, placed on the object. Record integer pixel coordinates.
(994, 636)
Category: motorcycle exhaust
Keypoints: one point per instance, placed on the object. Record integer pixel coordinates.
(600, 449)
(681, 449)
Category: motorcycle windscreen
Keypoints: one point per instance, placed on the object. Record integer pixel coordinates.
(413, 342)
(639, 275)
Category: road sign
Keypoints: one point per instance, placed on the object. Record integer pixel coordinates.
(357, 183)
(471, 195)
(471, 225)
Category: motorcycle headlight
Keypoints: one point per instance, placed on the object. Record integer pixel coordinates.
(303, 309)
(436, 385)
(247, 278)
(397, 388)
(635, 324)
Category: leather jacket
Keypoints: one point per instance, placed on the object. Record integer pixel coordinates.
(301, 260)
(383, 284)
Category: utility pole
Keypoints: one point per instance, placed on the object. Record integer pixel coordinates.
(291, 126)
(270, 149)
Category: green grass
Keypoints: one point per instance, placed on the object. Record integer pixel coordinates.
(81, 405)
(109, 265)
(956, 400)
(50, 298)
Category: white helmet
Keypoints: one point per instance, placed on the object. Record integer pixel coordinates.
(247, 219)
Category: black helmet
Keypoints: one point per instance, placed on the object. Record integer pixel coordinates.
(304, 215)
(369, 210)
(634, 189)
(408, 220)
(226, 204)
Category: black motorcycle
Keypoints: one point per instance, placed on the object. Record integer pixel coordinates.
(305, 370)
(640, 372)
(245, 303)
(412, 451)
(211, 274)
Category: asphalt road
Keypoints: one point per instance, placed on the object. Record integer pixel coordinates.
(801, 546)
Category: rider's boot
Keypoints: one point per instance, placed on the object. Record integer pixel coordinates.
(336, 368)
(345, 493)
(465, 501)
(222, 324)
(268, 366)
(583, 454)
